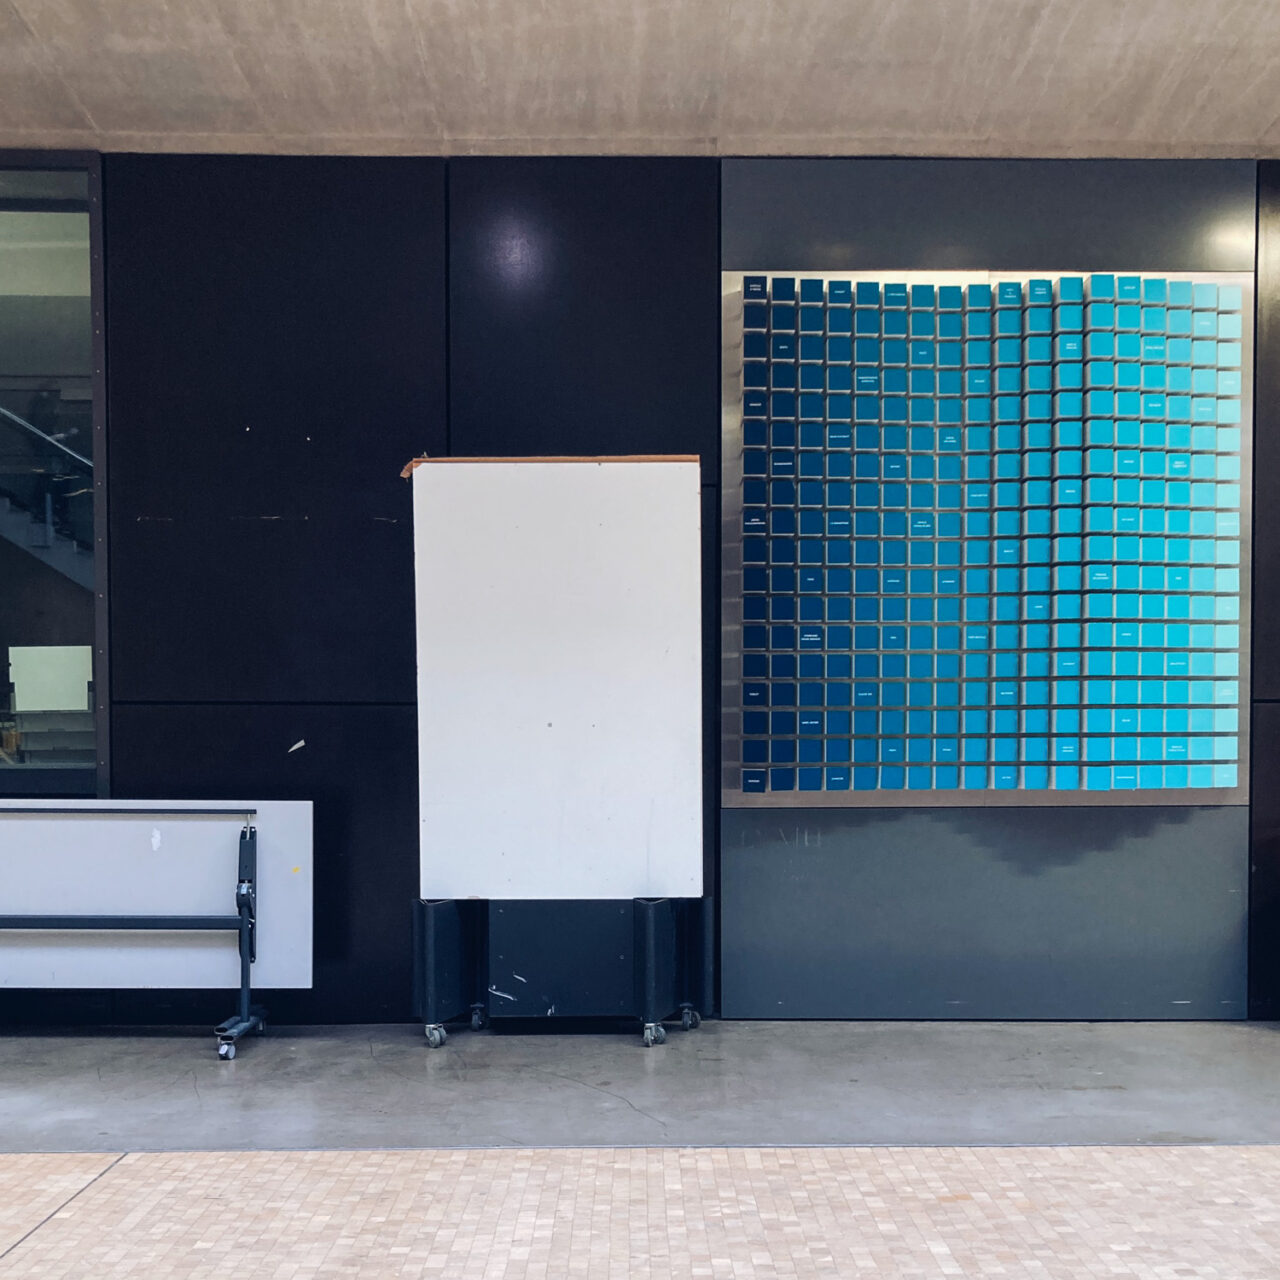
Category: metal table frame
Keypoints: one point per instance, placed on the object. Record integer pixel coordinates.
(248, 1017)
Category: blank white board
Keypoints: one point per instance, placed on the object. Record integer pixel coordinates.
(128, 863)
(559, 677)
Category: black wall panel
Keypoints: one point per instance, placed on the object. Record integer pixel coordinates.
(1264, 884)
(985, 913)
(584, 318)
(706, 994)
(359, 766)
(1060, 215)
(584, 307)
(275, 352)
(1266, 448)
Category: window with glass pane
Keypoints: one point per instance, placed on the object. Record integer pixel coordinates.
(46, 479)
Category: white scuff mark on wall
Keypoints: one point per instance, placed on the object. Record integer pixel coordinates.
(505, 995)
(155, 839)
(518, 978)
(297, 746)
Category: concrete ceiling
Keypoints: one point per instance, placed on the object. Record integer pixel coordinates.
(941, 77)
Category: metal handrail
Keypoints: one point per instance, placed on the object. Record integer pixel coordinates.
(24, 425)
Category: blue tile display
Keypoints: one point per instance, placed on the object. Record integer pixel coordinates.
(991, 535)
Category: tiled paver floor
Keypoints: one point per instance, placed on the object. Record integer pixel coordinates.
(1041, 1212)
(32, 1187)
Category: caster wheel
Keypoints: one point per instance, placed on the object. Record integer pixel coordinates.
(479, 1020)
(436, 1037)
(654, 1033)
(690, 1018)
(226, 1052)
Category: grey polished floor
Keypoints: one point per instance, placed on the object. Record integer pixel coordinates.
(727, 1084)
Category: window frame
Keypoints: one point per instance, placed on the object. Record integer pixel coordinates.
(11, 781)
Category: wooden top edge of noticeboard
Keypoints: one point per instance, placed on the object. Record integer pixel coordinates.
(411, 466)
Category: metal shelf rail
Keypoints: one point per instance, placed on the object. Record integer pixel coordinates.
(248, 1017)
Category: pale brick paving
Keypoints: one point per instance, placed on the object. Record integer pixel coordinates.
(1028, 1213)
(32, 1187)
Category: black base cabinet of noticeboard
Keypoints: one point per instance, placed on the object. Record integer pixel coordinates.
(500, 960)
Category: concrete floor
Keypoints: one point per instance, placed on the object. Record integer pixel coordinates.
(727, 1084)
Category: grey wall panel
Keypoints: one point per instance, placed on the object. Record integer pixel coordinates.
(1011, 913)
(1044, 912)
(1083, 215)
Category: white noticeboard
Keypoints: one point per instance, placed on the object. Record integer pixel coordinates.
(130, 863)
(559, 677)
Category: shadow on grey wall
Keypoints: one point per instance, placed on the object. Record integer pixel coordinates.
(1034, 840)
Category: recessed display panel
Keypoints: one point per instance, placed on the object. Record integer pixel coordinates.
(984, 537)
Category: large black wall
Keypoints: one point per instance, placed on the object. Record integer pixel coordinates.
(283, 333)
(282, 336)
